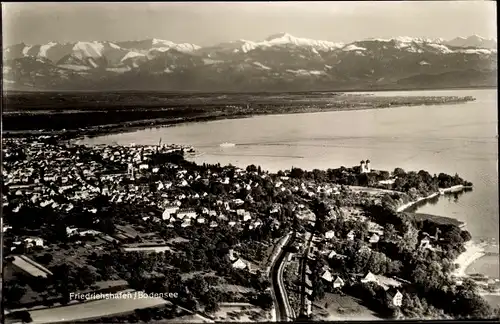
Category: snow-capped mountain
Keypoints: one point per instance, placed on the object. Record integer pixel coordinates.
(473, 41)
(280, 61)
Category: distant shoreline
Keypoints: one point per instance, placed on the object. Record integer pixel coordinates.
(135, 125)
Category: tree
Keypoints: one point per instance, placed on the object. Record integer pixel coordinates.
(46, 258)
(297, 173)
(252, 168)
(399, 172)
(390, 233)
(419, 275)
(23, 316)
(264, 300)
(13, 293)
(318, 289)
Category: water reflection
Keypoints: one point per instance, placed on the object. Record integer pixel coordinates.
(450, 197)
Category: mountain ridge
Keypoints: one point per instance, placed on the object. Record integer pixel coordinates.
(280, 61)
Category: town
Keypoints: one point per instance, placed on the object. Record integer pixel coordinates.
(212, 243)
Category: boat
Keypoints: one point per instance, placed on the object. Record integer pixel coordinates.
(226, 144)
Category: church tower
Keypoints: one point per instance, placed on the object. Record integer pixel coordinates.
(130, 170)
(362, 166)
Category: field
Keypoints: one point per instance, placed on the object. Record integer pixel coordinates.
(341, 308)
(93, 309)
(241, 312)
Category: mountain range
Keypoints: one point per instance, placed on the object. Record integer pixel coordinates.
(281, 62)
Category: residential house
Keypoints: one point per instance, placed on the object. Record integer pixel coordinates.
(396, 298)
(232, 257)
(370, 277)
(425, 243)
(308, 282)
(188, 213)
(332, 254)
(329, 234)
(351, 235)
(338, 282)
(33, 241)
(239, 264)
(223, 217)
(169, 210)
(327, 276)
(90, 233)
(71, 231)
(374, 238)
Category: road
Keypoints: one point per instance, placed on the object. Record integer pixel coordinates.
(284, 312)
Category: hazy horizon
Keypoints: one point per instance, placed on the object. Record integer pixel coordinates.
(211, 23)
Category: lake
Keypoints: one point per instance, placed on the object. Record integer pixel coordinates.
(458, 138)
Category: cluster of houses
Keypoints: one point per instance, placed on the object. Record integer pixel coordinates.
(337, 281)
(81, 174)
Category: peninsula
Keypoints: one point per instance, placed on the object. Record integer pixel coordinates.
(95, 113)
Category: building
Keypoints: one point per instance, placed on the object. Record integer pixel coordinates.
(33, 241)
(365, 166)
(327, 276)
(332, 254)
(169, 210)
(188, 213)
(338, 283)
(396, 298)
(330, 234)
(239, 264)
(374, 238)
(425, 243)
(370, 277)
(232, 258)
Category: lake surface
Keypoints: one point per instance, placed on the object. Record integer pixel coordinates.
(459, 138)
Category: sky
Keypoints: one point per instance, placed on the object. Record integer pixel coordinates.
(205, 23)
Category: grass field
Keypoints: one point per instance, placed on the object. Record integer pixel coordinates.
(93, 309)
(341, 308)
(241, 312)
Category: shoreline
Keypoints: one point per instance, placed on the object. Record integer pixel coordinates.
(404, 207)
(473, 251)
(442, 191)
(160, 122)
